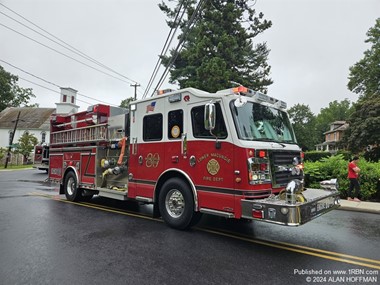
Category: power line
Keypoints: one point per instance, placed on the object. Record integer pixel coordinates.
(68, 46)
(165, 47)
(51, 83)
(49, 89)
(30, 74)
(55, 91)
(62, 53)
(180, 43)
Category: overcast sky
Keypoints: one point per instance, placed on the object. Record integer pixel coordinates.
(313, 43)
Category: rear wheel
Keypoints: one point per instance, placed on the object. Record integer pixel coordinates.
(176, 204)
(72, 192)
(70, 186)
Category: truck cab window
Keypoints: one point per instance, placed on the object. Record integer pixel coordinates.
(197, 121)
(152, 127)
(254, 121)
(175, 124)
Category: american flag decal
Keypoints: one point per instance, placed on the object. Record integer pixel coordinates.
(150, 107)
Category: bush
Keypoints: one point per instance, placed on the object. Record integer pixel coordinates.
(316, 155)
(346, 154)
(337, 167)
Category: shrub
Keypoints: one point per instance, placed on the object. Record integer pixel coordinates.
(316, 155)
(336, 167)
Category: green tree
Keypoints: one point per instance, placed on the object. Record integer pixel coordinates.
(364, 79)
(12, 95)
(364, 76)
(125, 103)
(303, 121)
(219, 47)
(336, 111)
(3, 152)
(26, 144)
(364, 127)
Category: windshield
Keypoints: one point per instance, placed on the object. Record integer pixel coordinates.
(259, 122)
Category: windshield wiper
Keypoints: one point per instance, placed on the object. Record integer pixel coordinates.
(270, 140)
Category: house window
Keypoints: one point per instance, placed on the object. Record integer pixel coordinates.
(72, 99)
(64, 98)
(43, 137)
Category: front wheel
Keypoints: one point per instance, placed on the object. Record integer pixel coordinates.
(176, 204)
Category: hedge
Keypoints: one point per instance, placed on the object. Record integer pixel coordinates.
(336, 167)
(315, 155)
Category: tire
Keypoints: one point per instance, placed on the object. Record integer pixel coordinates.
(176, 204)
(70, 186)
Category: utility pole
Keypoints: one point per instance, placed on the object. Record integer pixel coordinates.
(135, 85)
(11, 141)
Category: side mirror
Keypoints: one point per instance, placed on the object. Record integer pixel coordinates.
(210, 116)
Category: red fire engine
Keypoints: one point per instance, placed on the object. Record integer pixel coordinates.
(41, 157)
(232, 153)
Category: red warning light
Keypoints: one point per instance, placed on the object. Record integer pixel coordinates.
(262, 153)
(240, 89)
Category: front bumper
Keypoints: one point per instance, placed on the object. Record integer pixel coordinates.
(274, 210)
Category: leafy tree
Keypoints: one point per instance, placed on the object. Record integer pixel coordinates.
(336, 111)
(3, 152)
(219, 47)
(364, 76)
(26, 144)
(125, 103)
(364, 79)
(12, 95)
(303, 121)
(364, 127)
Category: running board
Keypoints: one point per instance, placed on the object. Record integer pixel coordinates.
(113, 194)
(217, 213)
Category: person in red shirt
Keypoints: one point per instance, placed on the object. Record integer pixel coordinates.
(353, 174)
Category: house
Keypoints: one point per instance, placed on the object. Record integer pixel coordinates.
(36, 121)
(332, 137)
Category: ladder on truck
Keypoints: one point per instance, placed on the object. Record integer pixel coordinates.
(88, 134)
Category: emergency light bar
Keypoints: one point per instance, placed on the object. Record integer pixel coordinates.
(258, 96)
(161, 92)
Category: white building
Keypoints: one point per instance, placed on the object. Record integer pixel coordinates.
(36, 121)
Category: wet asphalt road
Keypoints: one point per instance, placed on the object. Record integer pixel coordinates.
(45, 240)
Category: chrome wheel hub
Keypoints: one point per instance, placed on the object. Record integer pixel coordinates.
(175, 203)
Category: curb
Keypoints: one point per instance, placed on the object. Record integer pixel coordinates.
(366, 207)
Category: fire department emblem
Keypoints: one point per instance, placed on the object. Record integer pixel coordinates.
(213, 166)
(152, 160)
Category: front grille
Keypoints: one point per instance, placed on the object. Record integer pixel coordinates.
(282, 165)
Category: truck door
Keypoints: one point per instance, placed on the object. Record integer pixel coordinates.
(211, 161)
(146, 148)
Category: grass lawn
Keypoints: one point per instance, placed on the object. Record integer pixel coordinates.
(10, 166)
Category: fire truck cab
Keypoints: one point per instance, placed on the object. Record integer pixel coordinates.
(232, 153)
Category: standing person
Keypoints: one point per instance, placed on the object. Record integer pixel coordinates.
(353, 174)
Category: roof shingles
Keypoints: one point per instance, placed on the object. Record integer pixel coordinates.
(30, 118)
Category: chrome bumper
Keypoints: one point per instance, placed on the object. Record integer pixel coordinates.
(273, 210)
